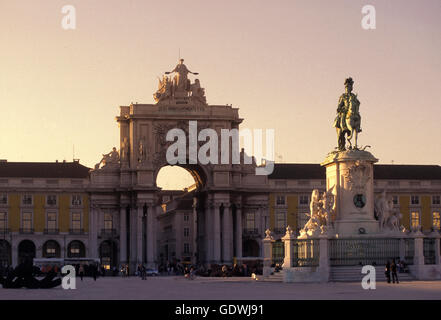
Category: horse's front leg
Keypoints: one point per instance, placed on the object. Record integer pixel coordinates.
(356, 138)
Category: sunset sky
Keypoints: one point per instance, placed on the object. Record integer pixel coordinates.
(283, 63)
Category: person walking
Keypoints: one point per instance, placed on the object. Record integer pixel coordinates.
(143, 273)
(394, 271)
(387, 271)
(94, 271)
(81, 271)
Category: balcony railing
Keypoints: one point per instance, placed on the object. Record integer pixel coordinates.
(108, 233)
(51, 231)
(26, 230)
(76, 231)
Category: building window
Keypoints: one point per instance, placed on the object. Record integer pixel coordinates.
(395, 200)
(302, 219)
(76, 221)
(186, 232)
(51, 221)
(3, 221)
(108, 221)
(414, 199)
(26, 221)
(280, 221)
(436, 200)
(436, 222)
(186, 248)
(3, 198)
(414, 219)
(76, 200)
(251, 221)
(280, 200)
(26, 199)
(186, 217)
(303, 199)
(51, 200)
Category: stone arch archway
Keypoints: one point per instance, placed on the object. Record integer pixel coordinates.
(76, 249)
(251, 248)
(26, 250)
(51, 249)
(133, 173)
(108, 252)
(5, 253)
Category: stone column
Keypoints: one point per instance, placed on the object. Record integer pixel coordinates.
(133, 238)
(216, 234)
(122, 236)
(14, 253)
(418, 258)
(227, 229)
(324, 268)
(208, 233)
(194, 232)
(238, 234)
(139, 235)
(150, 237)
(287, 240)
(267, 244)
(93, 232)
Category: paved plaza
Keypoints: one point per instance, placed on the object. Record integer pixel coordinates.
(178, 288)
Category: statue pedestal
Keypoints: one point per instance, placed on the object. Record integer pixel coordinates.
(349, 174)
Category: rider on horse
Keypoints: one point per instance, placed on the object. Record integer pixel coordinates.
(348, 118)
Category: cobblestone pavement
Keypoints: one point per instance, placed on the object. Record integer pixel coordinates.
(171, 288)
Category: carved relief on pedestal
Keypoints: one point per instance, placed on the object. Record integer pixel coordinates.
(358, 176)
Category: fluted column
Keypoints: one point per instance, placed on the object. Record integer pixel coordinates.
(216, 234)
(139, 235)
(150, 237)
(93, 232)
(238, 232)
(122, 235)
(208, 233)
(227, 234)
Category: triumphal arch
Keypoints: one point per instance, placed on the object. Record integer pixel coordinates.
(124, 194)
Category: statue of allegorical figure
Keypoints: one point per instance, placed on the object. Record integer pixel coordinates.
(111, 158)
(348, 120)
(322, 213)
(180, 87)
(180, 80)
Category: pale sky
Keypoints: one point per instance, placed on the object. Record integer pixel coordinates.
(282, 63)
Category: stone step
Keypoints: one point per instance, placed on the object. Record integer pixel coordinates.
(348, 274)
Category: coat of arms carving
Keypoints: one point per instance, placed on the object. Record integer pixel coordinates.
(358, 176)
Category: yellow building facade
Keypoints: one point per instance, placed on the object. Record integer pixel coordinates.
(44, 211)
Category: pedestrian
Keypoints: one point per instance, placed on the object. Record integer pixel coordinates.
(81, 272)
(387, 271)
(94, 271)
(394, 271)
(143, 273)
